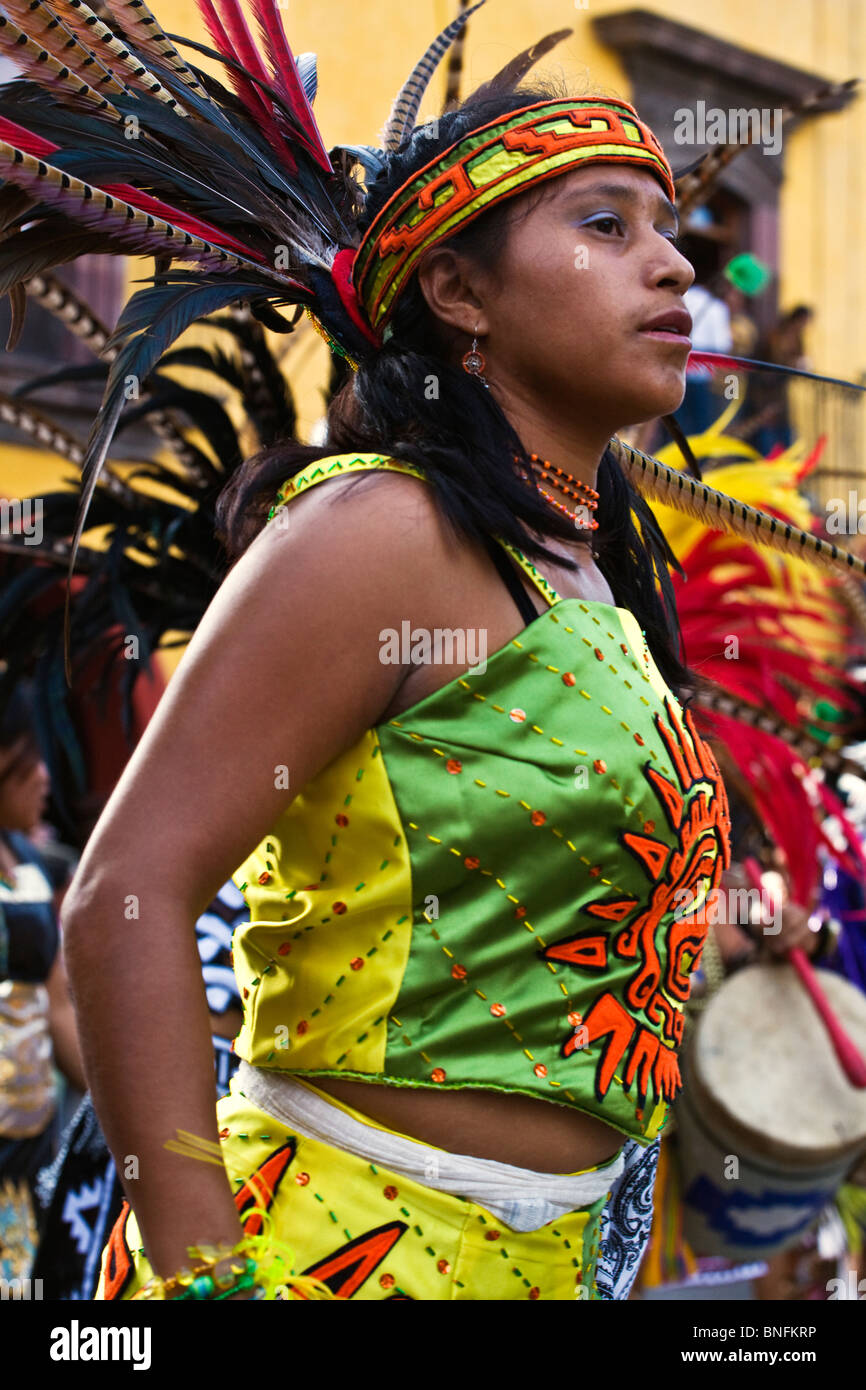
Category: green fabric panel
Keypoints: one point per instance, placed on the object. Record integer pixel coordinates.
(526, 797)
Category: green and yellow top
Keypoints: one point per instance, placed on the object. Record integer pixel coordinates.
(498, 888)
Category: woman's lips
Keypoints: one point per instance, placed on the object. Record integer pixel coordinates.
(665, 335)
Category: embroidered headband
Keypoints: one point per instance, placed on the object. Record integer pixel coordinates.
(485, 166)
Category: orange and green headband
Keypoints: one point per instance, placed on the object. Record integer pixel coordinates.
(489, 164)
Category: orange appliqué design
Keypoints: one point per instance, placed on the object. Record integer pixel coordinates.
(642, 1030)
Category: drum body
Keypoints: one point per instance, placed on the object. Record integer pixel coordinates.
(768, 1126)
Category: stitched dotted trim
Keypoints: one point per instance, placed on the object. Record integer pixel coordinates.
(503, 1017)
(560, 834)
(357, 964)
(488, 873)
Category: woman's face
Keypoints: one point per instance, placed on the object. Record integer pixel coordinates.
(24, 786)
(569, 309)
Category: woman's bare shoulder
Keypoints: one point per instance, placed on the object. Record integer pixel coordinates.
(384, 524)
(284, 672)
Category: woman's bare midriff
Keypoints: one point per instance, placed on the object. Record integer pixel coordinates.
(513, 1129)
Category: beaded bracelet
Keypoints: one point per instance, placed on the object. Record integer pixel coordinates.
(201, 1284)
(204, 1285)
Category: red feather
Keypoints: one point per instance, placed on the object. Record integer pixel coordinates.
(235, 42)
(244, 44)
(286, 79)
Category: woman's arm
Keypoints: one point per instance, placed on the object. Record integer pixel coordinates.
(283, 672)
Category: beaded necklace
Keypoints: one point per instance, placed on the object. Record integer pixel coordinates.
(582, 493)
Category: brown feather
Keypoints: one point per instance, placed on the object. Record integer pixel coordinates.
(112, 51)
(515, 70)
(694, 187)
(66, 306)
(44, 24)
(127, 227)
(141, 25)
(18, 307)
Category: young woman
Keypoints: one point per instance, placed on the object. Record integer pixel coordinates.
(460, 880)
(430, 724)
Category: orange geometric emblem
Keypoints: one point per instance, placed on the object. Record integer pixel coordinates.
(663, 938)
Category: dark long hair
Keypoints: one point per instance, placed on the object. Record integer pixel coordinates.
(454, 429)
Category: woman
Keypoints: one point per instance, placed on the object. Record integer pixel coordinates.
(462, 834)
(573, 291)
(37, 1023)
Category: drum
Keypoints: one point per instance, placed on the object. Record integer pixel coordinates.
(768, 1126)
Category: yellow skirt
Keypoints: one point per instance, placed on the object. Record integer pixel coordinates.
(370, 1234)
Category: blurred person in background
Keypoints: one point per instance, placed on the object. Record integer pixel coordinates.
(37, 1023)
(770, 427)
(711, 329)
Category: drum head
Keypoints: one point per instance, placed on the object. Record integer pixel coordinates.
(764, 1068)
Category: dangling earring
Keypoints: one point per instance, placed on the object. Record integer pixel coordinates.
(474, 363)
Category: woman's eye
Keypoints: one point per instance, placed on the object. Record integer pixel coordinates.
(605, 224)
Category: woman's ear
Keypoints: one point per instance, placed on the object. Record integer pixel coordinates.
(454, 290)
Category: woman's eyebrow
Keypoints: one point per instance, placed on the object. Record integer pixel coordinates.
(619, 190)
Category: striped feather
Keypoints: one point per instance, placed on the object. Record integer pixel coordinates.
(40, 429)
(129, 228)
(401, 121)
(66, 306)
(38, 146)
(111, 50)
(141, 25)
(658, 483)
(696, 185)
(44, 432)
(454, 70)
(44, 24)
(40, 65)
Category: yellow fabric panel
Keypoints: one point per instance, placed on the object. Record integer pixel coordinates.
(320, 968)
(374, 1234)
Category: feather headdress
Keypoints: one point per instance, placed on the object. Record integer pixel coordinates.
(145, 582)
(770, 638)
